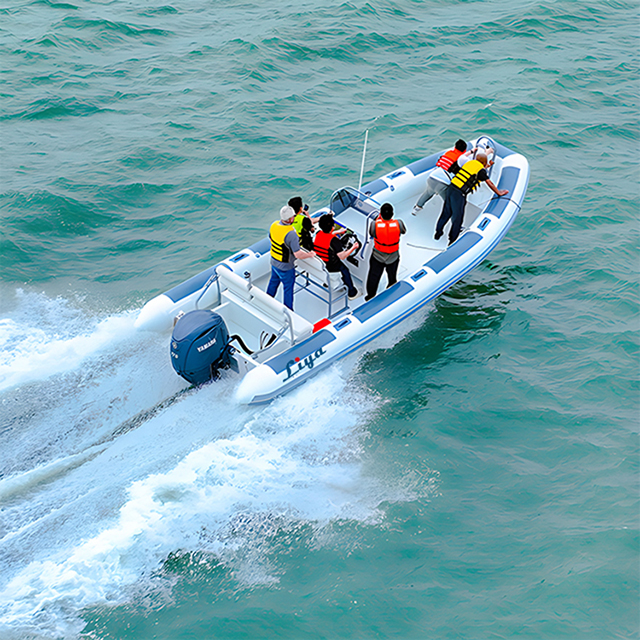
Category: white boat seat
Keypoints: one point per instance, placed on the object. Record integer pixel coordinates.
(234, 283)
(318, 271)
(278, 312)
(257, 303)
(328, 286)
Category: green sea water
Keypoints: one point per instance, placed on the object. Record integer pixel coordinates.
(472, 474)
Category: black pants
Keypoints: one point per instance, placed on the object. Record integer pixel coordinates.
(375, 273)
(346, 278)
(453, 209)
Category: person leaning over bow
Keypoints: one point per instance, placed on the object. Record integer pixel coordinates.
(328, 248)
(465, 181)
(440, 177)
(385, 256)
(285, 248)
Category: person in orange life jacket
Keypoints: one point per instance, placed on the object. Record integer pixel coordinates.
(285, 248)
(440, 177)
(385, 256)
(465, 181)
(328, 248)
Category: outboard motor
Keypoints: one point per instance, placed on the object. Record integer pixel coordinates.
(200, 346)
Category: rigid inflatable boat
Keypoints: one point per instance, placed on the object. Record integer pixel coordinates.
(222, 319)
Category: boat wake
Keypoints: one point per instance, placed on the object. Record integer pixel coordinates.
(112, 467)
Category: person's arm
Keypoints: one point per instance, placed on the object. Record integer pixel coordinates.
(498, 192)
(293, 242)
(347, 252)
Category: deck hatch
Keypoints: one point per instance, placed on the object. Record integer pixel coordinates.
(460, 246)
(416, 276)
(382, 300)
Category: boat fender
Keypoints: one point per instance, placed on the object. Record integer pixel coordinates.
(200, 346)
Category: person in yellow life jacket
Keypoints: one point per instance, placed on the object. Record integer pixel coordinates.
(303, 222)
(329, 249)
(386, 232)
(440, 178)
(285, 248)
(464, 182)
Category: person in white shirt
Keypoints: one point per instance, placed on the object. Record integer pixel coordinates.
(440, 177)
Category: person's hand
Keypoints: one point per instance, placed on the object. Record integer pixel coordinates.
(503, 192)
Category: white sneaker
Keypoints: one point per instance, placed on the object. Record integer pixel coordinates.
(416, 210)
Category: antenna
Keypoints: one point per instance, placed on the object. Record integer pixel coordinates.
(364, 153)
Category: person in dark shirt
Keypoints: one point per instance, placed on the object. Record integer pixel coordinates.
(465, 181)
(328, 247)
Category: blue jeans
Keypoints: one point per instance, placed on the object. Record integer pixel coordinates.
(288, 279)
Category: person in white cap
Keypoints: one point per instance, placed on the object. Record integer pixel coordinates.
(285, 248)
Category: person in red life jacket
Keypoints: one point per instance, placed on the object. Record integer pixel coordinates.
(386, 232)
(285, 248)
(465, 181)
(329, 249)
(440, 177)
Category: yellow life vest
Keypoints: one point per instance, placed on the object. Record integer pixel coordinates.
(277, 233)
(467, 178)
(297, 223)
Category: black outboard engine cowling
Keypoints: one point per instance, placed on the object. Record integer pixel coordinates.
(200, 346)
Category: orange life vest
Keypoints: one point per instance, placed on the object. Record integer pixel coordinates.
(321, 245)
(448, 158)
(387, 239)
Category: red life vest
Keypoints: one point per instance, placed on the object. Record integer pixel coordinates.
(448, 158)
(387, 239)
(321, 245)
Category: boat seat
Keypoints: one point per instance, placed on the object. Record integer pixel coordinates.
(273, 308)
(234, 283)
(324, 285)
(255, 302)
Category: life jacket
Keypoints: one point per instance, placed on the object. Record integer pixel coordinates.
(467, 178)
(321, 245)
(448, 158)
(297, 223)
(277, 233)
(387, 239)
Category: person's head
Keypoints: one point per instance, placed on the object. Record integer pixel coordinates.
(386, 211)
(461, 145)
(287, 214)
(482, 157)
(307, 225)
(326, 223)
(295, 203)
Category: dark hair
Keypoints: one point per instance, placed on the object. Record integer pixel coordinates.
(326, 223)
(461, 145)
(296, 203)
(386, 211)
(307, 225)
